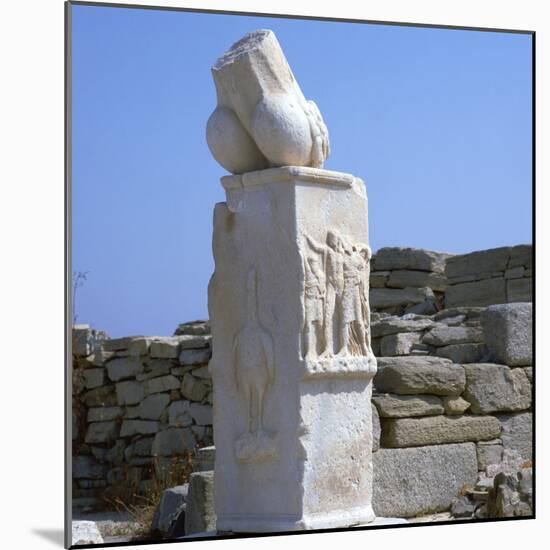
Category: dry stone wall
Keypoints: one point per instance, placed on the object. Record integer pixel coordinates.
(413, 280)
(138, 404)
(451, 405)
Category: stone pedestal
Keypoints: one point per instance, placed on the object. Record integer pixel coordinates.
(291, 364)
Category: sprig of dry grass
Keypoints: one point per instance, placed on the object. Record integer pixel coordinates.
(126, 495)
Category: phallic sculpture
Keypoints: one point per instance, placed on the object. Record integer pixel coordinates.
(254, 373)
(262, 119)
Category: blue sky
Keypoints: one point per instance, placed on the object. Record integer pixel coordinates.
(437, 123)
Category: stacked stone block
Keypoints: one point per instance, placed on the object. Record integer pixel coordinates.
(407, 280)
(453, 392)
(139, 403)
(497, 276)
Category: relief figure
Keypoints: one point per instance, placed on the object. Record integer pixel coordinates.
(254, 370)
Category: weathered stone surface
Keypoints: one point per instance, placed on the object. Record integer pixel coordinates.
(488, 453)
(397, 406)
(529, 373)
(463, 353)
(152, 407)
(470, 313)
(517, 433)
(165, 348)
(256, 331)
(155, 368)
(169, 518)
(193, 328)
(496, 388)
(202, 414)
(139, 346)
(407, 278)
(477, 293)
(514, 273)
(394, 325)
(463, 507)
(378, 279)
(521, 255)
(101, 432)
(102, 414)
(138, 427)
(192, 388)
(398, 344)
(195, 356)
(120, 368)
(445, 336)
(474, 263)
(118, 344)
(419, 375)
(391, 258)
(173, 441)
(508, 333)
(160, 384)
(129, 392)
(85, 532)
(194, 341)
(511, 495)
(381, 298)
(432, 430)
(455, 405)
(178, 414)
(86, 467)
(82, 340)
(104, 396)
(376, 429)
(200, 515)
(423, 480)
(202, 372)
(93, 378)
(204, 459)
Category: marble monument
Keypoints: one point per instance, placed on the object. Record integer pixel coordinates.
(292, 364)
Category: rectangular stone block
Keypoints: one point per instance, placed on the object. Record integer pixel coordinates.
(478, 293)
(282, 273)
(394, 325)
(101, 432)
(398, 344)
(398, 406)
(403, 278)
(463, 353)
(390, 258)
(521, 255)
(520, 290)
(488, 453)
(381, 298)
(496, 388)
(482, 261)
(421, 480)
(437, 430)
(517, 433)
(447, 335)
(378, 279)
(419, 375)
(117, 344)
(508, 333)
(81, 340)
(121, 368)
(199, 514)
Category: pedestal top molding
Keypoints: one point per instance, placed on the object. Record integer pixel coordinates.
(287, 174)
